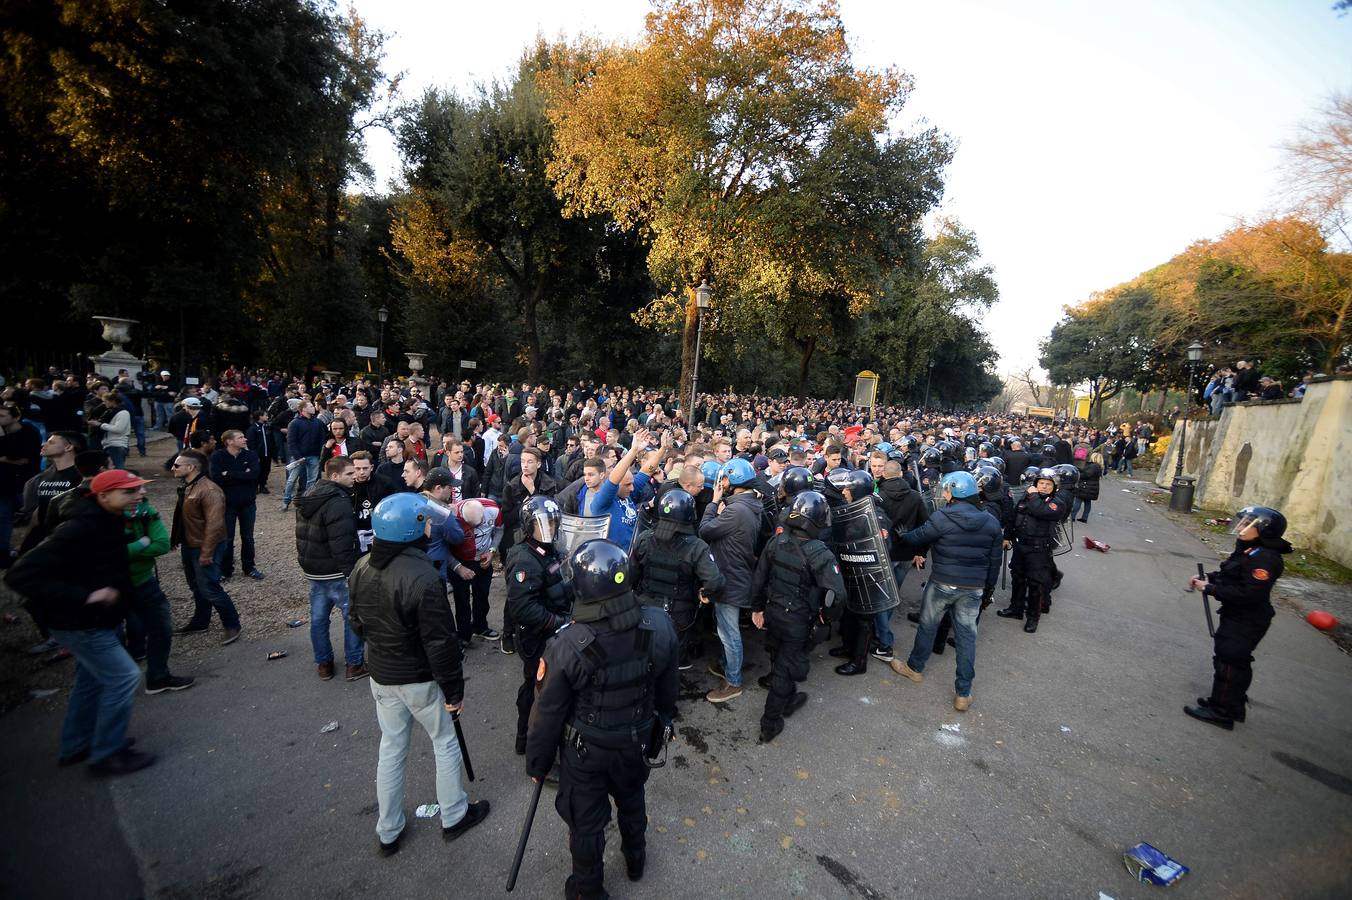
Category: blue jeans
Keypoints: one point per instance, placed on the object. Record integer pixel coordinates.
(964, 603)
(138, 426)
(162, 413)
(205, 584)
(245, 515)
(324, 596)
(307, 474)
(100, 703)
(731, 637)
(397, 707)
(117, 457)
(1126, 466)
(882, 622)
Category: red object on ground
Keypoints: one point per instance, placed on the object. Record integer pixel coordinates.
(1321, 620)
(1091, 544)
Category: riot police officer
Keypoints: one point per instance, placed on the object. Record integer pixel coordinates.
(538, 599)
(672, 566)
(797, 580)
(607, 686)
(845, 486)
(1030, 568)
(1243, 585)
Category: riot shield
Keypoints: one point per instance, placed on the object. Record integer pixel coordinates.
(574, 531)
(1061, 543)
(858, 542)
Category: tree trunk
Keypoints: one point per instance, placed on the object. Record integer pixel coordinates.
(1164, 400)
(804, 362)
(531, 330)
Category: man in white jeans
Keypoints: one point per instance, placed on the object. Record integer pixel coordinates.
(398, 607)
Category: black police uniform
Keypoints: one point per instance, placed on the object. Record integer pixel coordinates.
(540, 602)
(599, 685)
(1243, 585)
(792, 578)
(1030, 567)
(671, 574)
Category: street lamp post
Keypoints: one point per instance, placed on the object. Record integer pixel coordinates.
(383, 314)
(928, 378)
(1180, 499)
(702, 295)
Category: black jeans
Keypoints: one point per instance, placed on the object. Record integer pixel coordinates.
(587, 782)
(1236, 639)
(150, 628)
(471, 616)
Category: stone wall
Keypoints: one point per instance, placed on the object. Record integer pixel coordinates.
(1292, 455)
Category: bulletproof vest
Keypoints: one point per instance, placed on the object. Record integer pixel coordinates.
(615, 708)
(667, 579)
(790, 584)
(1033, 532)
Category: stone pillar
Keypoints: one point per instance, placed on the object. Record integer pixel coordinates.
(116, 332)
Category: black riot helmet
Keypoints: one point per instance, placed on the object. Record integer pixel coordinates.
(1030, 474)
(997, 461)
(839, 478)
(677, 507)
(599, 570)
(990, 481)
(541, 513)
(794, 481)
(809, 512)
(970, 439)
(860, 484)
(1048, 474)
(898, 455)
(987, 448)
(932, 456)
(910, 443)
(1269, 522)
(1069, 474)
(1049, 450)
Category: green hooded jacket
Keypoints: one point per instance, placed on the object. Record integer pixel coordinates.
(145, 522)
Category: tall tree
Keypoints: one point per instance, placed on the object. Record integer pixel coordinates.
(703, 132)
(479, 166)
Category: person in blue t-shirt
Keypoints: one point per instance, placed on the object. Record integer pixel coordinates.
(614, 495)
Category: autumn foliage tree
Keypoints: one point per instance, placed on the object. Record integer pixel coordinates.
(722, 135)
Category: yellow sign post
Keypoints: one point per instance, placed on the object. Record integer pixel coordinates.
(866, 389)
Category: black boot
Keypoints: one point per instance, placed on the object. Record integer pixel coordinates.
(769, 732)
(839, 652)
(1210, 716)
(1009, 612)
(913, 617)
(795, 704)
(520, 745)
(764, 681)
(1238, 716)
(853, 667)
(634, 865)
(1030, 626)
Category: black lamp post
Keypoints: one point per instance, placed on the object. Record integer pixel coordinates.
(383, 314)
(1180, 499)
(928, 378)
(703, 293)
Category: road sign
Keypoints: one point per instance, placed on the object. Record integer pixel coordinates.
(468, 364)
(366, 352)
(865, 388)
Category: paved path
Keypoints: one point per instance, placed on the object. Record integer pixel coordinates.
(1074, 749)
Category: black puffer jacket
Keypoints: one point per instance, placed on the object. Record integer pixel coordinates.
(86, 552)
(1087, 487)
(326, 532)
(399, 609)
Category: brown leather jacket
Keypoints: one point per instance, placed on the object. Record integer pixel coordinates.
(200, 519)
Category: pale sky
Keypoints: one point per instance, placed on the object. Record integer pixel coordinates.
(1095, 140)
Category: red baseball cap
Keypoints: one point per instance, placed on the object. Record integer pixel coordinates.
(115, 480)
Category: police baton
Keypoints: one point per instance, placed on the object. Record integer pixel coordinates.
(525, 835)
(464, 749)
(1004, 560)
(1206, 604)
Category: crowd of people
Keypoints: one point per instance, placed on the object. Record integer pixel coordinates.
(607, 511)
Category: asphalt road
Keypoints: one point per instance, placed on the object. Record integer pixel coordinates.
(1075, 749)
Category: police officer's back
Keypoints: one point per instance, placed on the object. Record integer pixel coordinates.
(607, 686)
(671, 566)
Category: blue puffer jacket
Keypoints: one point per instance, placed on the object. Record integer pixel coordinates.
(964, 545)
